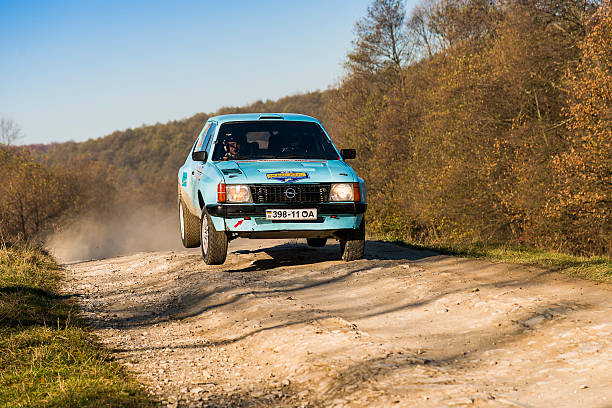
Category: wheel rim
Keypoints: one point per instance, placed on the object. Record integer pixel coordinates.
(182, 220)
(204, 233)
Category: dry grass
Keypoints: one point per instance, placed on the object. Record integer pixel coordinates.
(47, 357)
(595, 268)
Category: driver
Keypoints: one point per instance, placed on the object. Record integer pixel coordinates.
(232, 147)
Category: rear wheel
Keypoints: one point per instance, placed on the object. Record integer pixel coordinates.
(214, 243)
(190, 227)
(352, 246)
(316, 242)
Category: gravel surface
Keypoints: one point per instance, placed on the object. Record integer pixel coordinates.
(282, 324)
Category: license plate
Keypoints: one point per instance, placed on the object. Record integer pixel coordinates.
(301, 214)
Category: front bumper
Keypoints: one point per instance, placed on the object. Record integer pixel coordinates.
(259, 210)
(249, 220)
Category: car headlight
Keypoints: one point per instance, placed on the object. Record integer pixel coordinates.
(238, 193)
(345, 192)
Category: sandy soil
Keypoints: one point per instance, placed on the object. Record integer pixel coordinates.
(282, 324)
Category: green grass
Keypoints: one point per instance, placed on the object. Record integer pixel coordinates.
(595, 268)
(47, 357)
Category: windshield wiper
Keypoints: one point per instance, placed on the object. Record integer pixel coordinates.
(300, 156)
(272, 157)
(239, 158)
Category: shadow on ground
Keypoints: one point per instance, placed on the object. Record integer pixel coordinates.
(290, 254)
(241, 286)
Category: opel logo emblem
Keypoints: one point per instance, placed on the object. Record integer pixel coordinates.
(290, 193)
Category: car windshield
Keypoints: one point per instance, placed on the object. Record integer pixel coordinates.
(272, 140)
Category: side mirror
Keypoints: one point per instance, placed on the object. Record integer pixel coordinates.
(199, 156)
(348, 154)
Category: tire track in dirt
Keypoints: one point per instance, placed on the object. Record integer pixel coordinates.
(281, 324)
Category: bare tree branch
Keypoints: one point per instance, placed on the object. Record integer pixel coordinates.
(382, 40)
(9, 131)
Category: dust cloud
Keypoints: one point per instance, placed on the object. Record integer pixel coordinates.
(126, 231)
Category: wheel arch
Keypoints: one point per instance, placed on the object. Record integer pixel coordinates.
(201, 200)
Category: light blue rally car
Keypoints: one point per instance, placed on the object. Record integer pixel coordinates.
(269, 176)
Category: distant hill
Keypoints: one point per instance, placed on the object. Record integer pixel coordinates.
(150, 156)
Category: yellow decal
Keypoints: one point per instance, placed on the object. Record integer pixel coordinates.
(287, 176)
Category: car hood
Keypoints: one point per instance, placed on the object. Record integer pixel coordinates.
(286, 171)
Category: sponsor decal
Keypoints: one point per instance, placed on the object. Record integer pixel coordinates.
(287, 176)
(198, 171)
(275, 170)
(184, 180)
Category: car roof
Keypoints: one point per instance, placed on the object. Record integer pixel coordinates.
(249, 117)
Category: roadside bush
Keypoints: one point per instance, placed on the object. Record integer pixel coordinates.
(582, 204)
(35, 198)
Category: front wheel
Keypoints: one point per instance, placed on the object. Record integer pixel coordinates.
(214, 243)
(352, 246)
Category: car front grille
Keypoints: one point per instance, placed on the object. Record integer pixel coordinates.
(304, 193)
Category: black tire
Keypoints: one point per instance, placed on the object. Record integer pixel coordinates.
(214, 244)
(352, 246)
(316, 242)
(190, 227)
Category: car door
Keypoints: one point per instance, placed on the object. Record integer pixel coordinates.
(199, 168)
(187, 171)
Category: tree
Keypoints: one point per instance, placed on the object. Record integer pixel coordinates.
(35, 198)
(382, 41)
(583, 199)
(9, 131)
(421, 26)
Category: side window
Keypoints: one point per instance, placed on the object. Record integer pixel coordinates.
(196, 143)
(203, 135)
(209, 135)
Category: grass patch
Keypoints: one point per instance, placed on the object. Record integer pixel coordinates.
(595, 268)
(47, 357)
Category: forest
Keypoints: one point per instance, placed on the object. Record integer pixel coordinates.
(483, 121)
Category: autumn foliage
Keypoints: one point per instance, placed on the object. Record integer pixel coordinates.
(582, 203)
(474, 121)
(497, 129)
(36, 198)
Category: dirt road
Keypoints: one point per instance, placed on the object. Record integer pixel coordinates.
(281, 324)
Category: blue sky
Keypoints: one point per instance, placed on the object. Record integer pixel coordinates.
(82, 69)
